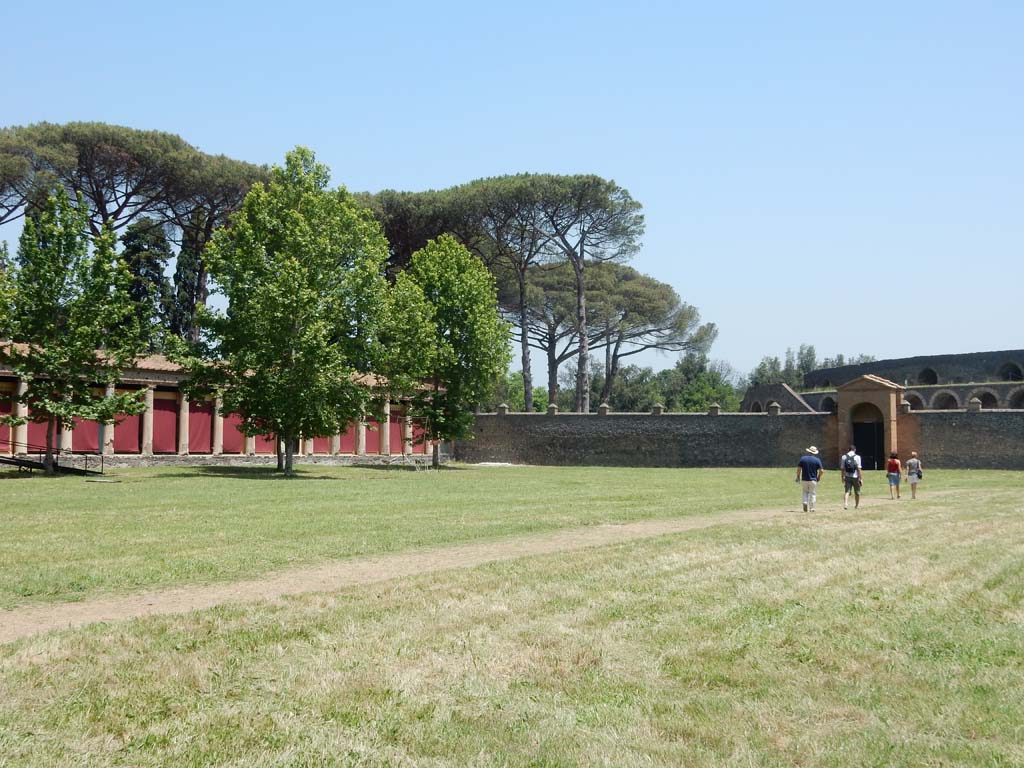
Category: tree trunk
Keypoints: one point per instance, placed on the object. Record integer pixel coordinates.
(552, 370)
(524, 341)
(289, 453)
(48, 466)
(436, 458)
(583, 365)
(611, 368)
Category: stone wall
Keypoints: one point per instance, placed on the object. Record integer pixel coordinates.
(643, 440)
(991, 439)
(948, 369)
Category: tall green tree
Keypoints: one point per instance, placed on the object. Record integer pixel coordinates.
(470, 345)
(146, 252)
(302, 268)
(70, 320)
(589, 219)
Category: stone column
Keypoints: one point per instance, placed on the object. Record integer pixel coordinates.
(250, 445)
(309, 446)
(182, 424)
(335, 445)
(147, 423)
(218, 427)
(107, 449)
(407, 436)
(385, 430)
(66, 433)
(360, 439)
(21, 431)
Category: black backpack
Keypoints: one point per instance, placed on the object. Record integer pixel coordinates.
(849, 464)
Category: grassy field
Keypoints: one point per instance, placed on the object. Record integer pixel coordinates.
(891, 636)
(66, 539)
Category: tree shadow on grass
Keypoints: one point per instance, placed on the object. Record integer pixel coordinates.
(245, 473)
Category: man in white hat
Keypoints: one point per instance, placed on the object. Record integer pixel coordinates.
(808, 472)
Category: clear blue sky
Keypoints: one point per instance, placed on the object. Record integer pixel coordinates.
(850, 178)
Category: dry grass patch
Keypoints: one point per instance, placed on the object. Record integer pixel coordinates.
(882, 637)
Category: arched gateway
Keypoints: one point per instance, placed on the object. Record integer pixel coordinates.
(867, 417)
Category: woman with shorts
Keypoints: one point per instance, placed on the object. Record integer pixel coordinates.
(894, 472)
(914, 473)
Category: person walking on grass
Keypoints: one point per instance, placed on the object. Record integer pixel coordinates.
(853, 476)
(914, 473)
(808, 472)
(894, 471)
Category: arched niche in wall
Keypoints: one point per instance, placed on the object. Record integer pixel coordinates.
(928, 376)
(1010, 372)
(945, 401)
(988, 398)
(755, 407)
(828, 404)
(916, 403)
(1016, 399)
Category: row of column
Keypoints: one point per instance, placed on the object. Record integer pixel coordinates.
(19, 443)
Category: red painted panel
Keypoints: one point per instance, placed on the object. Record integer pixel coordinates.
(372, 437)
(266, 444)
(419, 445)
(348, 440)
(86, 436)
(322, 445)
(6, 408)
(234, 441)
(200, 427)
(395, 427)
(165, 426)
(128, 434)
(37, 436)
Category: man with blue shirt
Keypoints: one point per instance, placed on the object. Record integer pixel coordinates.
(808, 472)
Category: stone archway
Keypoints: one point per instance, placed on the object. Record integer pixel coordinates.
(915, 401)
(928, 376)
(828, 405)
(986, 396)
(945, 401)
(755, 407)
(1016, 399)
(868, 429)
(1011, 372)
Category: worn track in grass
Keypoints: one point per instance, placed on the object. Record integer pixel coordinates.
(25, 622)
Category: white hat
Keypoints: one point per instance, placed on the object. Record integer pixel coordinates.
(813, 451)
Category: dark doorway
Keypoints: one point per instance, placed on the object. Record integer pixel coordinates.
(869, 438)
(869, 435)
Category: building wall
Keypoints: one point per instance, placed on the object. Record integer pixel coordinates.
(990, 439)
(949, 369)
(669, 440)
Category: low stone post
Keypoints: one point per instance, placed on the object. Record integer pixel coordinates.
(714, 409)
(503, 409)
(904, 406)
(658, 409)
(974, 405)
(603, 409)
(552, 409)
(774, 409)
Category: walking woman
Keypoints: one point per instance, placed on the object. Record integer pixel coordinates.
(915, 471)
(895, 472)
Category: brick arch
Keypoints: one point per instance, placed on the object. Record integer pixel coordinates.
(828, 404)
(928, 376)
(989, 399)
(1016, 399)
(1010, 371)
(944, 400)
(755, 407)
(915, 400)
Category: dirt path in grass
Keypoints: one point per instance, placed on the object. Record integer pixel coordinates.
(24, 622)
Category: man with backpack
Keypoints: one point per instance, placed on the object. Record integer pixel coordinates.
(850, 470)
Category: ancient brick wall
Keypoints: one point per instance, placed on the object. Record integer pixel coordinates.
(643, 440)
(948, 369)
(960, 439)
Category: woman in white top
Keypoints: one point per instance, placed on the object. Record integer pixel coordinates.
(914, 473)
